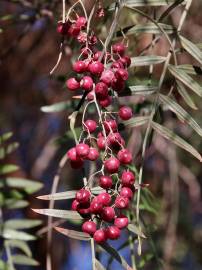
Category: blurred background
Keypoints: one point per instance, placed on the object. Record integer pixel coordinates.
(29, 48)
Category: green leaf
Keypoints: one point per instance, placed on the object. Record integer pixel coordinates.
(57, 107)
(24, 260)
(8, 168)
(73, 234)
(150, 28)
(192, 49)
(28, 185)
(169, 135)
(146, 60)
(15, 204)
(4, 151)
(143, 90)
(109, 249)
(22, 223)
(136, 121)
(5, 137)
(13, 234)
(184, 94)
(98, 265)
(133, 228)
(190, 69)
(3, 265)
(181, 113)
(23, 246)
(144, 3)
(185, 79)
(65, 214)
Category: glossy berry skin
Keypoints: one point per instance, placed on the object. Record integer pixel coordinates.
(121, 202)
(90, 125)
(86, 83)
(75, 205)
(96, 67)
(100, 236)
(110, 125)
(121, 222)
(115, 140)
(126, 60)
(104, 198)
(118, 48)
(81, 22)
(125, 113)
(72, 155)
(101, 90)
(89, 227)
(78, 164)
(105, 181)
(127, 178)
(82, 150)
(101, 143)
(126, 192)
(107, 77)
(105, 102)
(117, 64)
(74, 30)
(83, 196)
(108, 214)
(93, 154)
(96, 207)
(121, 74)
(72, 84)
(125, 156)
(84, 210)
(62, 28)
(112, 165)
(79, 66)
(113, 232)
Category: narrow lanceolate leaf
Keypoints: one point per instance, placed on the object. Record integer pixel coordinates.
(181, 113)
(6, 136)
(13, 234)
(8, 168)
(15, 204)
(186, 79)
(65, 214)
(145, 3)
(142, 89)
(171, 136)
(22, 223)
(191, 69)
(150, 28)
(192, 49)
(136, 121)
(28, 185)
(23, 246)
(57, 107)
(98, 265)
(184, 94)
(133, 228)
(24, 260)
(8, 149)
(109, 249)
(147, 60)
(73, 234)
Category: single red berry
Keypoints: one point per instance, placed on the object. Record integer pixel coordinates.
(81, 22)
(125, 113)
(79, 66)
(72, 155)
(121, 202)
(126, 192)
(118, 85)
(110, 125)
(89, 227)
(106, 102)
(72, 84)
(93, 154)
(86, 83)
(96, 207)
(119, 48)
(104, 198)
(113, 232)
(76, 164)
(100, 236)
(127, 178)
(62, 28)
(105, 181)
(96, 67)
(115, 140)
(107, 77)
(121, 221)
(84, 210)
(90, 125)
(82, 38)
(108, 214)
(101, 90)
(121, 74)
(75, 205)
(125, 156)
(101, 143)
(112, 165)
(126, 60)
(117, 64)
(74, 30)
(82, 150)
(83, 196)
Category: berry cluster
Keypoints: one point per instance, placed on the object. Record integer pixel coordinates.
(101, 75)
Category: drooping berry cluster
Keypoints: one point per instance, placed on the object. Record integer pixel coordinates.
(101, 75)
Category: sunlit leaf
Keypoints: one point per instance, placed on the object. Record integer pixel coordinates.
(151, 28)
(17, 235)
(185, 95)
(136, 121)
(133, 228)
(8, 149)
(146, 60)
(23, 246)
(168, 134)
(190, 69)
(143, 90)
(22, 223)
(57, 107)
(65, 214)
(5, 137)
(192, 49)
(185, 79)
(143, 3)
(24, 260)
(15, 203)
(73, 234)
(8, 168)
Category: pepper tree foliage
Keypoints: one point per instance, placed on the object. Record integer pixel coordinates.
(105, 80)
(15, 249)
